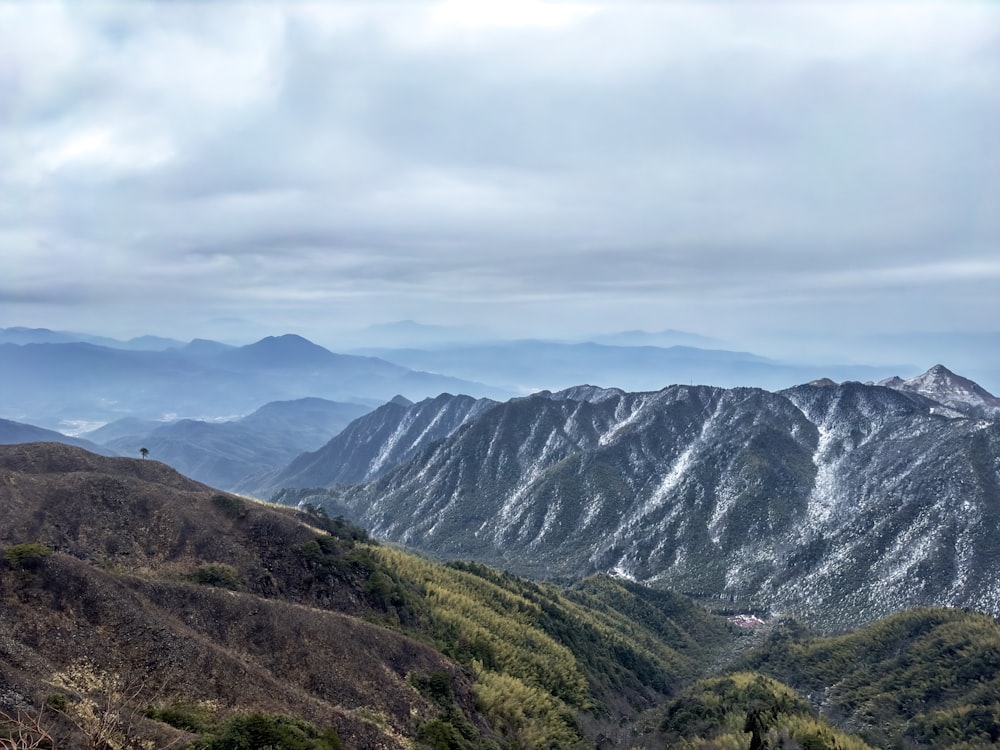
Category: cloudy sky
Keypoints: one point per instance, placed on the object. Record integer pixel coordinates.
(233, 170)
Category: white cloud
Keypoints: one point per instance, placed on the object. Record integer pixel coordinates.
(451, 16)
(696, 157)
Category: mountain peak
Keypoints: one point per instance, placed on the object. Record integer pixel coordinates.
(281, 351)
(285, 341)
(940, 376)
(823, 383)
(951, 390)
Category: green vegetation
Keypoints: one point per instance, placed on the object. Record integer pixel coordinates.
(27, 556)
(525, 681)
(746, 710)
(273, 731)
(337, 526)
(197, 718)
(232, 506)
(925, 677)
(451, 730)
(540, 654)
(218, 575)
(527, 715)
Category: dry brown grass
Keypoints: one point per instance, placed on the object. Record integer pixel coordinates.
(116, 596)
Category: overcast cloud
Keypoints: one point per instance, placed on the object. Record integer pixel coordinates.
(233, 170)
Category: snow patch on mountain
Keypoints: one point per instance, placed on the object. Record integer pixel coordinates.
(963, 396)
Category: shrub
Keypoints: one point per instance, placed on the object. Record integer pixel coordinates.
(274, 731)
(191, 717)
(232, 506)
(26, 556)
(219, 575)
(438, 734)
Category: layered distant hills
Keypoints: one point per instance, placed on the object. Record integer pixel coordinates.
(76, 384)
(223, 453)
(626, 361)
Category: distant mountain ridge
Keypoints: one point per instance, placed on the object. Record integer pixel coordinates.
(12, 433)
(530, 365)
(838, 502)
(23, 335)
(51, 384)
(221, 454)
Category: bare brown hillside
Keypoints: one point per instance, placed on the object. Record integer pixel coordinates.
(182, 595)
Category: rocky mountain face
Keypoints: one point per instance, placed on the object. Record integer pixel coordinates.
(373, 444)
(838, 503)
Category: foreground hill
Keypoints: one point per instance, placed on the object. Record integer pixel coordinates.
(840, 503)
(129, 587)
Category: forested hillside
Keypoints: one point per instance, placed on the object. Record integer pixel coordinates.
(921, 678)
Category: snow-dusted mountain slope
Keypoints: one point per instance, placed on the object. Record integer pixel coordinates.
(373, 444)
(950, 390)
(836, 502)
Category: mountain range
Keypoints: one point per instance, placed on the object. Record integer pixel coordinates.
(24, 335)
(527, 366)
(838, 502)
(141, 606)
(835, 502)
